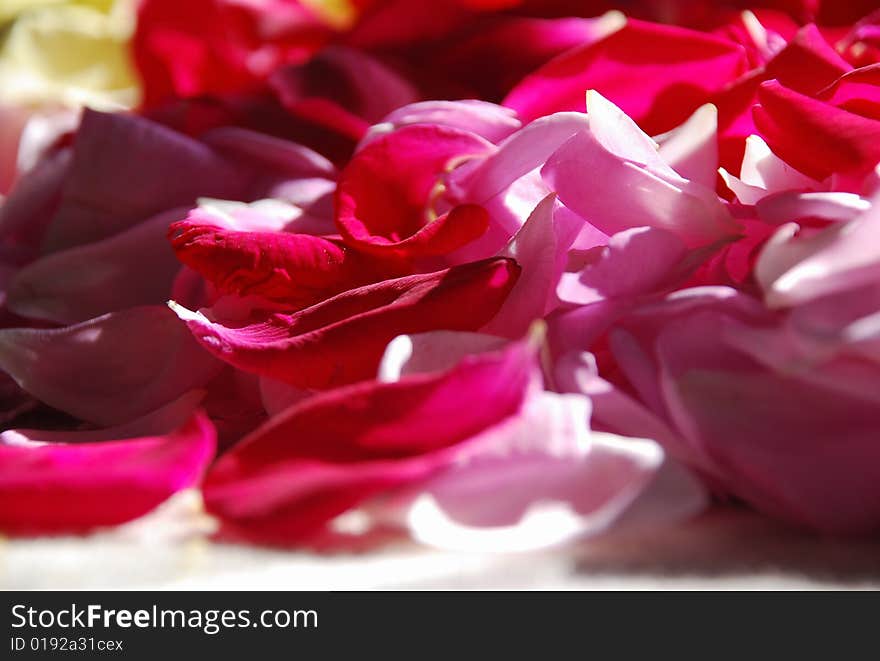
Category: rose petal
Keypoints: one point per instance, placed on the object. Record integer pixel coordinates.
(657, 74)
(435, 351)
(692, 148)
(110, 369)
(291, 477)
(793, 269)
(838, 141)
(540, 247)
(384, 203)
(119, 176)
(135, 267)
(613, 155)
(313, 348)
(81, 483)
(487, 120)
(297, 269)
(344, 89)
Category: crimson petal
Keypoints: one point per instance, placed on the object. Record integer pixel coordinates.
(341, 340)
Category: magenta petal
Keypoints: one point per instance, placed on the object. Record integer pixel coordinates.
(808, 63)
(297, 270)
(47, 486)
(815, 137)
(857, 91)
(321, 457)
(110, 369)
(657, 74)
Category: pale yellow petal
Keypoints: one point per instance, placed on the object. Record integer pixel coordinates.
(72, 54)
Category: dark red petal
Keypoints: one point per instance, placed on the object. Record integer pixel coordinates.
(384, 196)
(341, 340)
(298, 269)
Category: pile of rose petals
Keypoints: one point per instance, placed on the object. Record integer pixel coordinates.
(493, 275)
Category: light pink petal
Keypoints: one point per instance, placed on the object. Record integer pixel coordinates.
(487, 120)
(272, 215)
(436, 351)
(763, 173)
(788, 206)
(614, 155)
(110, 369)
(540, 247)
(609, 273)
(761, 167)
(581, 327)
(822, 350)
(507, 183)
(769, 433)
(522, 152)
(613, 409)
(793, 269)
(692, 148)
(539, 480)
(630, 339)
